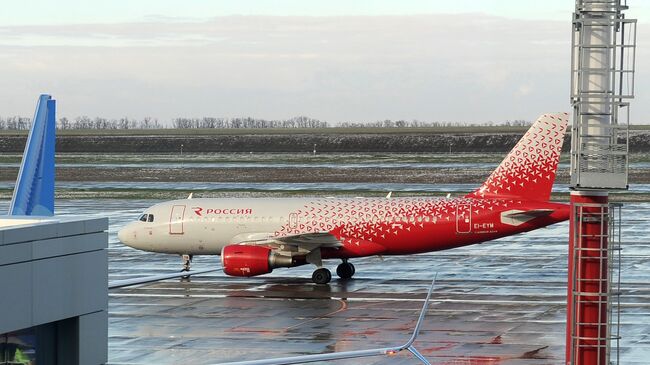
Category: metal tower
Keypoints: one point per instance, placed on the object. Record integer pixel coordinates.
(602, 82)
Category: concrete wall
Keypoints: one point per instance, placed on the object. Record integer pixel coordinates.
(55, 273)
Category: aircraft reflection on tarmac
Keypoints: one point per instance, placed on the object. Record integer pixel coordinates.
(383, 351)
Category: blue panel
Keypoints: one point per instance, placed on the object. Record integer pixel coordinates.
(34, 191)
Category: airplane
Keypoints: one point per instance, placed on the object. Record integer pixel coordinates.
(33, 194)
(254, 236)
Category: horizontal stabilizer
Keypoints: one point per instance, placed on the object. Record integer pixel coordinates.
(518, 217)
(34, 190)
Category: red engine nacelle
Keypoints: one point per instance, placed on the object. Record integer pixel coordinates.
(243, 260)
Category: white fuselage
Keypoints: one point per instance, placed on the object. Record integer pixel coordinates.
(357, 226)
(205, 226)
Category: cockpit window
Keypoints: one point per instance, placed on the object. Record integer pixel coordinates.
(146, 218)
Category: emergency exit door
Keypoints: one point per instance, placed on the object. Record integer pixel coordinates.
(176, 219)
(464, 218)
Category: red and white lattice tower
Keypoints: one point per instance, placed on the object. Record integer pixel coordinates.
(602, 81)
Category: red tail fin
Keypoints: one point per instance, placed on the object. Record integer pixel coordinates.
(529, 169)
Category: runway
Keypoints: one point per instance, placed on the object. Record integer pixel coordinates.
(211, 320)
(501, 302)
(496, 303)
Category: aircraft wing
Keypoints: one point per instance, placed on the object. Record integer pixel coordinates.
(320, 239)
(300, 243)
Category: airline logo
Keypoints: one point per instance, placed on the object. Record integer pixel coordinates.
(200, 211)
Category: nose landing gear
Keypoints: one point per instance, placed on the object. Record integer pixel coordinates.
(187, 262)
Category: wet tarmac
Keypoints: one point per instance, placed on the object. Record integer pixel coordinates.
(501, 302)
(496, 303)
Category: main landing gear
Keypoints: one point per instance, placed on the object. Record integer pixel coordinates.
(323, 276)
(345, 270)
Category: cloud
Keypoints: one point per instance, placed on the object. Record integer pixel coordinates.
(430, 67)
(524, 90)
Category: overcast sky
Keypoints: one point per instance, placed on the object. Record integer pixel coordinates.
(335, 60)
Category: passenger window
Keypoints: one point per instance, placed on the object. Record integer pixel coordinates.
(150, 219)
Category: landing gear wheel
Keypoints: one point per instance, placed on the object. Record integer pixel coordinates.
(321, 276)
(187, 262)
(345, 270)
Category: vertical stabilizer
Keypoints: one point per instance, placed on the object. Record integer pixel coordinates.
(34, 190)
(529, 169)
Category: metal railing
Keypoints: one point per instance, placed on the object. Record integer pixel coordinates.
(603, 53)
(596, 284)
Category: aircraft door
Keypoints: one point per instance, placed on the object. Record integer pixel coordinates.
(464, 218)
(293, 221)
(176, 219)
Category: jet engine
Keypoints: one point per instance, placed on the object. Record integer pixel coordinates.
(244, 260)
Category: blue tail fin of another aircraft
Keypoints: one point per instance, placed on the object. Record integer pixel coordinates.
(34, 191)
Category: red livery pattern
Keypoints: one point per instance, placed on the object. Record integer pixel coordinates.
(529, 169)
(412, 225)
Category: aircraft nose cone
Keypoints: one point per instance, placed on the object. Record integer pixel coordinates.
(125, 235)
(121, 235)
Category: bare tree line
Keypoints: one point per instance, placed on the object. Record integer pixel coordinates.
(104, 123)
(15, 123)
(420, 124)
(98, 123)
(221, 123)
(84, 122)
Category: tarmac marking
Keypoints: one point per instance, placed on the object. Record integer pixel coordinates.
(344, 306)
